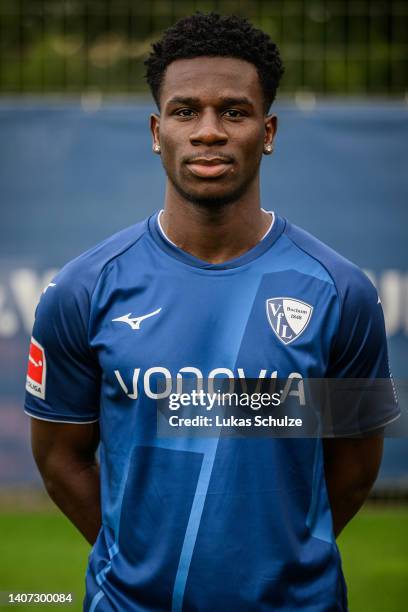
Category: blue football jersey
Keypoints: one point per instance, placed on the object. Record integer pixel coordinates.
(204, 523)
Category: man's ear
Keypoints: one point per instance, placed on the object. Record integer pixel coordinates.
(155, 131)
(271, 125)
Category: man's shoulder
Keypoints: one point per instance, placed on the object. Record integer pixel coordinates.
(346, 275)
(83, 272)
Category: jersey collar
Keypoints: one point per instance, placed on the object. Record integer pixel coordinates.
(252, 254)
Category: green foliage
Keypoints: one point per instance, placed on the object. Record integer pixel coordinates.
(75, 45)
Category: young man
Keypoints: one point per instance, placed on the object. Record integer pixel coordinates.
(205, 287)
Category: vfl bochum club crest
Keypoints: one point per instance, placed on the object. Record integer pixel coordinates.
(288, 317)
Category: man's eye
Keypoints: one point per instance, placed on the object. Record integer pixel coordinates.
(233, 113)
(185, 112)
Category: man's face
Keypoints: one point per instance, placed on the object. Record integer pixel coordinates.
(212, 129)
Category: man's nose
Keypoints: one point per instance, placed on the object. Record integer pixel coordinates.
(208, 130)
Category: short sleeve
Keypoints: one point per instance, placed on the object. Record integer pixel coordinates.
(63, 375)
(360, 352)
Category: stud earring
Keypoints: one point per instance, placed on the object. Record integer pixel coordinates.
(156, 148)
(268, 148)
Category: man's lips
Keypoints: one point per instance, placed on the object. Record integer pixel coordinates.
(209, 167)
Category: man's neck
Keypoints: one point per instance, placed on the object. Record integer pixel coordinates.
(215, 234)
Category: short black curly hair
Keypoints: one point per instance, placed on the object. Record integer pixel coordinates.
(215, 35)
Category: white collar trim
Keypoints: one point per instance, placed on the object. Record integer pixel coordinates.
(270, 212)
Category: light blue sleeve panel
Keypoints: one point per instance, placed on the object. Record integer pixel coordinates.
(359, 348)
(64, 376)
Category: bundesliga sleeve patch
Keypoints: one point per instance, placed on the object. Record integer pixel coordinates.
(36, 372)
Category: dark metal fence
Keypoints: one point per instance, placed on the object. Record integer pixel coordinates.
(330, 47)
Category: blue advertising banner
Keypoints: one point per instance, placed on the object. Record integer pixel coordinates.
(72, 174)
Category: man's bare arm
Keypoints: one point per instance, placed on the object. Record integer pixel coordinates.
(351, 467)
(65, 456)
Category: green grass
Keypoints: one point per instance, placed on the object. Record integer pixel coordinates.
(42, 552)
(374, 548)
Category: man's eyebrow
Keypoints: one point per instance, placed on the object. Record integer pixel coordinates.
(233, 101)
(223, 101)
(187, 100)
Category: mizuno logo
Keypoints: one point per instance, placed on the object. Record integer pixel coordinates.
(135, 322)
